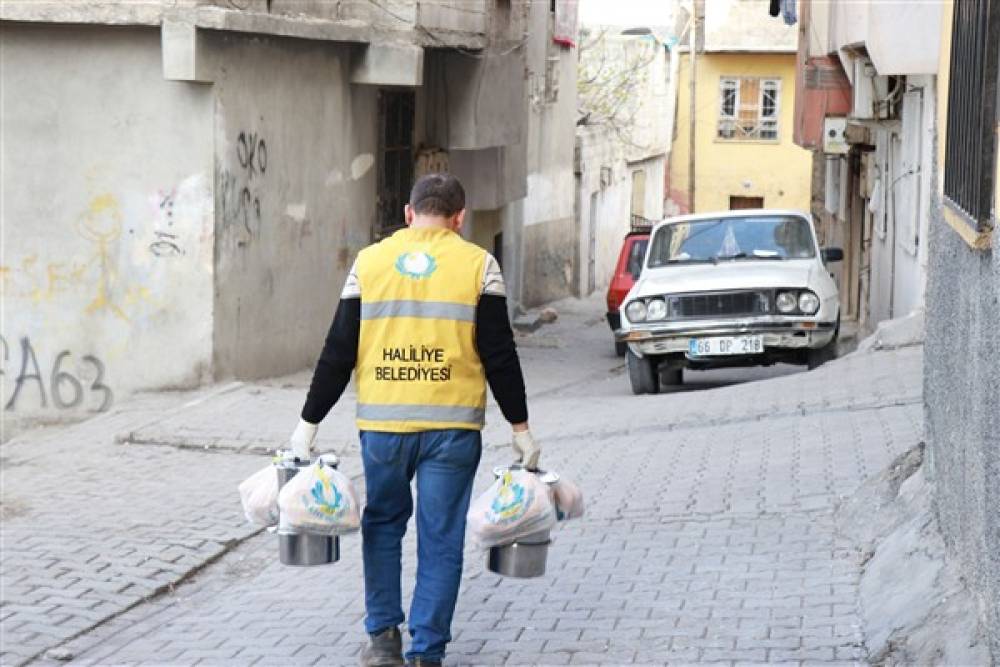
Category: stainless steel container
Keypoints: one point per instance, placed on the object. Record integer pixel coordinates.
(300, 548)
(525, 557)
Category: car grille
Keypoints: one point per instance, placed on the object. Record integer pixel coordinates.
(723, 304)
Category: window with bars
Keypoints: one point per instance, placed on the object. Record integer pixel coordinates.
(396, 162)
(970, 151)
(749, 108)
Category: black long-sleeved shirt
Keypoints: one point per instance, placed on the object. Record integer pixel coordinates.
(494, 342)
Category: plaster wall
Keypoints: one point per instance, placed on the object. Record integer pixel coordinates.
(962, 385)
(744, 25)
(901, 37)
(961, 398)
(779, 171)
(295, 189)
(605, 194)
(107, 217)
(548, 267)
(604, 183)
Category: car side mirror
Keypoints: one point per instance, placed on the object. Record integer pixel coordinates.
(832, 255)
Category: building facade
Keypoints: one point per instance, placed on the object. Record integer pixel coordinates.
(961, 354)
(741, 117)
(627, 94)
(867, 73)
(185, 183)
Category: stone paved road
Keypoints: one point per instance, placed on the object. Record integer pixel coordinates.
(708, 537)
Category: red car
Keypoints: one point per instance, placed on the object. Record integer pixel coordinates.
(626, 273)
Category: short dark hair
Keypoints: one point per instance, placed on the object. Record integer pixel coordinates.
(437, 194)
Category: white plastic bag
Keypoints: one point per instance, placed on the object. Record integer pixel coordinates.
(517, 504)
(319, 499)
(568, 499)
(259, 495)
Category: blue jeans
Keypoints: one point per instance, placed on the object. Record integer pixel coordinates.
(444, 463)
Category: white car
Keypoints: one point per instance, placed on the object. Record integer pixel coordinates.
(736, 288)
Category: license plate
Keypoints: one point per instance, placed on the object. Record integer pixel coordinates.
(723, 345)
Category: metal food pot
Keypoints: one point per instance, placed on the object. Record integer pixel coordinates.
(525, 557)
(302, 548)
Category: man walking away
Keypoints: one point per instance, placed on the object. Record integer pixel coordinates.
(422, 321)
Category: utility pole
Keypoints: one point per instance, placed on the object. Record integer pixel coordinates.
(692, 54)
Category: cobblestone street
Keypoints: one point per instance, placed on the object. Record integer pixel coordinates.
(709, 534)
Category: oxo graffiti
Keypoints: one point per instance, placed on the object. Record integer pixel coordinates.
(65, 390)
(239, 191)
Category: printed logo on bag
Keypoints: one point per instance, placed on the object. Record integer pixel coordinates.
(510, 504)
(415, 265)
(325, 500)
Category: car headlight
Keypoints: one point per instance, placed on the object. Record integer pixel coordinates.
(636, 311)
(808, 303)
(786, 302)
(656, 309)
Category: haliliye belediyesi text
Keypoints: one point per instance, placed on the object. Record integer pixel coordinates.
(419, 364)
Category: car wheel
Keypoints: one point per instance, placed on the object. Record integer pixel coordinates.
(621, 349)
(642, 373)
(673, 376)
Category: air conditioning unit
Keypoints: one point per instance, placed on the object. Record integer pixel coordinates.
(870, 92)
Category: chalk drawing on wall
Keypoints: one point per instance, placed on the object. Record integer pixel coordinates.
(101, 224)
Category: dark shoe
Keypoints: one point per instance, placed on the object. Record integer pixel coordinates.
(384, 649)
(420, 662)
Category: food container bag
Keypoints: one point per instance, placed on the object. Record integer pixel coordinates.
(517, 504)
(259, 496)
(319, 499)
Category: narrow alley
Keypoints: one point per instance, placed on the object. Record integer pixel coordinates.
(709, 536)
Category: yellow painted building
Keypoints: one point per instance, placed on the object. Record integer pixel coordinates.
(744, 154)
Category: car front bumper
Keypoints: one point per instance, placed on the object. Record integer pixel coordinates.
(779, 334)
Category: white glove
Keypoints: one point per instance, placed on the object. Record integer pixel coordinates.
(302, 439)
(527, 450)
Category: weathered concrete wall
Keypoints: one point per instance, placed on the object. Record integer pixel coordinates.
(962, 382)
(547, 269)
(295, 195)
(744, 25)
(962, 406)
(107, 215)
(605, 202)
(548, 265)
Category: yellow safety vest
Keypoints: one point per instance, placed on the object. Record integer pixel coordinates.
(418, 368)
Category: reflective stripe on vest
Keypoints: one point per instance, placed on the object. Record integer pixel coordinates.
(438, 310)
(457, 414)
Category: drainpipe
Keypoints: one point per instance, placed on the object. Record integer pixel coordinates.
(692, 50)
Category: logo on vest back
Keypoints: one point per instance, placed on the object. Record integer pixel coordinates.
(415, 265)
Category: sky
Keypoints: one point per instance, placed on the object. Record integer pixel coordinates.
(627, 13)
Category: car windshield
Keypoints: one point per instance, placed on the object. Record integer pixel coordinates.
(759, 237)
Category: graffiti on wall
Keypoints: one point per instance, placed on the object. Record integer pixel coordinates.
(240, 189)
(82, 299)
(64, 389)
(165, 243)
